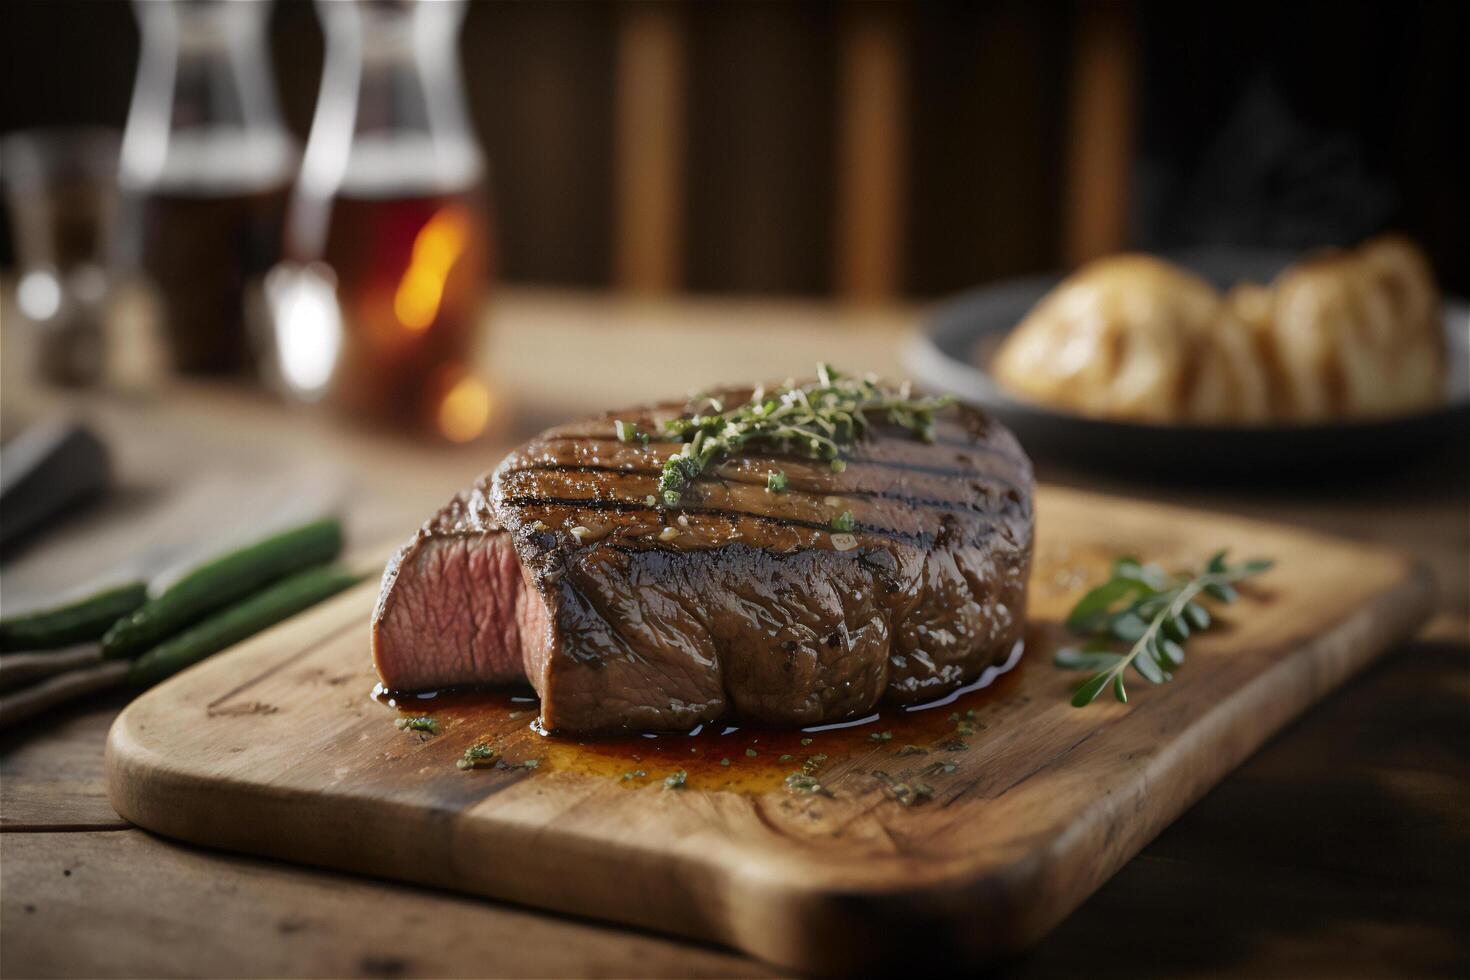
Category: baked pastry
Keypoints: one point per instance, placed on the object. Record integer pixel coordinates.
(1353, 333)
(1134, 337)
(1343, 334)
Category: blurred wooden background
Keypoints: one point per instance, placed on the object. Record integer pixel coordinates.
(867, 151)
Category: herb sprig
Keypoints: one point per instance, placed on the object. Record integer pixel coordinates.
(1154, 612)
(818, 419)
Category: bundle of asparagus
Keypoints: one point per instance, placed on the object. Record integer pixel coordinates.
(124, 635)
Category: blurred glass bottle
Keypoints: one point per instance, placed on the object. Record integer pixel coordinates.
(378, 304)
(205, 172)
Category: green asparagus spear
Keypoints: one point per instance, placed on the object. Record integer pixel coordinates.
(266, 608)
(73, 623)
(217, 583)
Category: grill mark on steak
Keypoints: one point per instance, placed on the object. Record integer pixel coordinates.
(635, 507)
(899, 512)
(794, 487)
(881, 430)
(800, 470)
(762, 452)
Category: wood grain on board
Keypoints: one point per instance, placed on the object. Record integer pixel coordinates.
(276, 749)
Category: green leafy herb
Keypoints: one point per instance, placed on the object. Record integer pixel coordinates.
(817, 419)
(423, 723)
(1152, 611)
(843, 522)
(724, 762)
(628, 777)
(786, 757)
(750, 752)
(881, 737)
(776, 481)
(677, 780)
(806, 741)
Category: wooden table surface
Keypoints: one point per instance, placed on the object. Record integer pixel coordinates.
(1341, 849)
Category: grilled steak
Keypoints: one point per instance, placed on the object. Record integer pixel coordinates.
(740, 603)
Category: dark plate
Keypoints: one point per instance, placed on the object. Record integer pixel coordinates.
(966, 330)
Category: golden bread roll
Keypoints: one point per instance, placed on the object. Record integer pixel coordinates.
(1133, 337)
(1355, 333)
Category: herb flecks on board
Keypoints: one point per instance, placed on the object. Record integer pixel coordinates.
(818, 419)
(477, 756)
(422, 723)
(908, 793)
(1152, 611)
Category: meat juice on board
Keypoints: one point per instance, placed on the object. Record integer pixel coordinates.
(737, 758)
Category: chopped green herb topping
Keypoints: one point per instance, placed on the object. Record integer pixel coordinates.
(776, 481)
(806, 741)
(677, 780)
(750, 752)
(423, 723)
(786, 757)
(635, 774)
(724, 762)
(815, 419)
(839, 465)
(843, 522)
(881, 737)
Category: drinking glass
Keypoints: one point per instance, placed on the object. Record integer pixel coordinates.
(61, 186)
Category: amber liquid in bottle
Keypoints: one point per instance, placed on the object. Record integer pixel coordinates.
(410, 273)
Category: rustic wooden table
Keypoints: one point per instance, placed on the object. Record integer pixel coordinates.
(1342, 848)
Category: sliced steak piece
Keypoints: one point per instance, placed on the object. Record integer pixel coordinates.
(738, 604)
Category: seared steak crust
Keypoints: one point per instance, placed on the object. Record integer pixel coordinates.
(738, 604)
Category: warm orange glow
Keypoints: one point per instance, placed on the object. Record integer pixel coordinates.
(465, 410)
(436, 248)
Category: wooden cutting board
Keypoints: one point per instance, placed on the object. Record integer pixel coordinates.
(277, 748)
